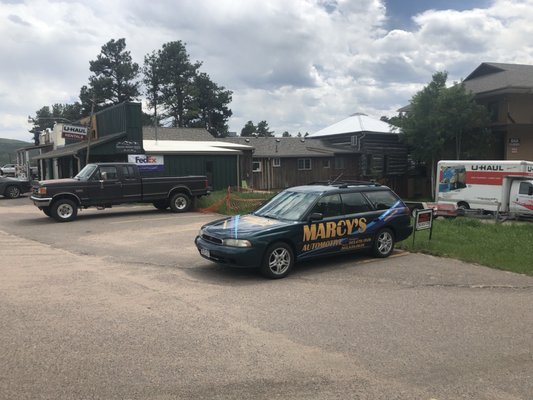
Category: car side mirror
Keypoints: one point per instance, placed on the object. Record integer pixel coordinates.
(316, 216)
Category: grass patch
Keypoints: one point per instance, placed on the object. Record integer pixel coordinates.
(502, 246)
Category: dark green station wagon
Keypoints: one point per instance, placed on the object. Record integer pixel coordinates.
(310, 221)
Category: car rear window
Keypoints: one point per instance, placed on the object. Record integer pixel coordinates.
(382, 200)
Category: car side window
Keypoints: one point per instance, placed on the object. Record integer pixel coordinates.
(328, 206)
(128, 172)
(382, 200)
(355, 203)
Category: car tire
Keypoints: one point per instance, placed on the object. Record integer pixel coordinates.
(383, 243)
(161, 204)
(12, 192)
(64, 210)
(180, 202)
(278, 261)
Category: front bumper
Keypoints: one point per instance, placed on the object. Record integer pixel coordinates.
(241, 257)
(41, 201)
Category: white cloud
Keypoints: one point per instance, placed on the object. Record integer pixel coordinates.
(299, 65)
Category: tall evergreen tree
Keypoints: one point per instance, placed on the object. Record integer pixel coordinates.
(248, 129)
(114, 77)
(263, 129)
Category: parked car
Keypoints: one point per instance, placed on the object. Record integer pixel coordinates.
(8, 170)
(104, 185)
(13, 188)
(306, 222)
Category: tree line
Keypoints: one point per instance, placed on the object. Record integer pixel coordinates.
(177, 92)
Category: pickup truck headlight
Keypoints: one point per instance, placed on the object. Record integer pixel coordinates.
(236, 243)
(41, 191)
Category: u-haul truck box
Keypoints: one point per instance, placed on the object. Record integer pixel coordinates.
(505, 186)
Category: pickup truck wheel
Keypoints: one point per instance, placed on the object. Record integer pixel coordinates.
(64, 210)
(12, 192)
(278, 261)
(180, 203)
(383, 243)
(161, 204)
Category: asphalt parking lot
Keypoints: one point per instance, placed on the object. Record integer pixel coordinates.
(118, 304)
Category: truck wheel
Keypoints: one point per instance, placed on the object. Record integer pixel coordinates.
(160, 204)
(180, 202)
(278, 261)
(383, 243)
(64, 210)
(12, 192)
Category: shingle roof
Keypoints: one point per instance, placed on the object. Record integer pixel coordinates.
(288, 146)
(198, 134)
(356, 123)
(490, 77)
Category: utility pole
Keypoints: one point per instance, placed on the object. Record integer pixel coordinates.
(89, 131)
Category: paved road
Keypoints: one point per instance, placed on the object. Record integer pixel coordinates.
(118, 305)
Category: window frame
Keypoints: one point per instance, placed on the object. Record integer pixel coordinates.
(259, 163)
(304, 162)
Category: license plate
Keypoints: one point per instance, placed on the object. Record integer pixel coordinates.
(205, 253)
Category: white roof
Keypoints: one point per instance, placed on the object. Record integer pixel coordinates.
(356, 123)
(190, 146)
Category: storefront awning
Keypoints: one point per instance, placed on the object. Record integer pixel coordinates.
(74, 149)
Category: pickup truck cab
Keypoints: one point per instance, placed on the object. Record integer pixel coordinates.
(103, 185)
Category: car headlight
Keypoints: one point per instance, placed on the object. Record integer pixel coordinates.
(236, 243)
(42, 190)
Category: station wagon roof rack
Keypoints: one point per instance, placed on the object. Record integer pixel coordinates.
(345, 183)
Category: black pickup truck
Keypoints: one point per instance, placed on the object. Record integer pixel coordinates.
(103, 185)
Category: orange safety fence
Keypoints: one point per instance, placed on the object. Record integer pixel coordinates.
(235, 203)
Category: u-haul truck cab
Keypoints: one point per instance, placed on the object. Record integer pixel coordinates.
(504, 186)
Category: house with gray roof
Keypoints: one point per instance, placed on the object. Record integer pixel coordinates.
(507, 92)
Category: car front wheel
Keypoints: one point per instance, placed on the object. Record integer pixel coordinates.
(12, 192)
(64, 210)
(383, 243)
(278, 261)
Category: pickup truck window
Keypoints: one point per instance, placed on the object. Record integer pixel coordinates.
(86, 172)
(128, 172)
(108, 172)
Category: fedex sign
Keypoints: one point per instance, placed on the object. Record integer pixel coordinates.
(147, 162)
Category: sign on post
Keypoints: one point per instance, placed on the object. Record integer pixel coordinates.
(423, 220)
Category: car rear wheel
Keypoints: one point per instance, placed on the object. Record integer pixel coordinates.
(180, 202)
(64, 210)
(383, 243)
(12, 192)
(278, 261)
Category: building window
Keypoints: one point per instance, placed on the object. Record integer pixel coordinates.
(326, 164)
(304, 163)
(276, 162)
(339, 163)
(256, 166)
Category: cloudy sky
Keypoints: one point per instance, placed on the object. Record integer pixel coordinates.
(301, 65)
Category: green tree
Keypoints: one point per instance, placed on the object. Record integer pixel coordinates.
(212, 105)
(438, 120)
(153, 81)
(114, 77)
(178, 90)
(263, 129)
(286, 134)
(46, 117)
(249, 129)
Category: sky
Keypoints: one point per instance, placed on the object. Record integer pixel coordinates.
(300, 65)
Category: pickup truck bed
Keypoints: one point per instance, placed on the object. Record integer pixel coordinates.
(103, 185)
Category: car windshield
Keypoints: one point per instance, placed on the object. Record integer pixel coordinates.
(86, 172)
(288, 205)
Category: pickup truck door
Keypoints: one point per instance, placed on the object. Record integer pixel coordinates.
(108, 188)
(521, 197)
(131, 183)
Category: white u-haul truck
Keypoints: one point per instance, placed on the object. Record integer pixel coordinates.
(493, 186)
